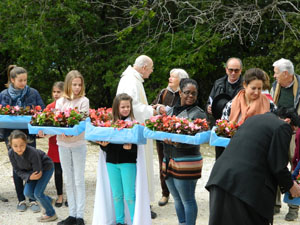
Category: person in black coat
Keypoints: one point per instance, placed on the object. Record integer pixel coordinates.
(244, 179)
(230, 84)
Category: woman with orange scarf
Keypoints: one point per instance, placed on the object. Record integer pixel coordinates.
(249, 101)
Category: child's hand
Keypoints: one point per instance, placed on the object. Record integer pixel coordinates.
(36, 175)
(127, 146)
(295, 190)
(41, 134)
(169, 142)
(102, 143)
(66, 135)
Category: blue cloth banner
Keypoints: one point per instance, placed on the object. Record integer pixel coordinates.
(75, 130)
(113, 135)
(294, 201)
(216, 140)
(14, 122)
(197, 139)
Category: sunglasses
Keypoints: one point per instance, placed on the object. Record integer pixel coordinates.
(233, 70)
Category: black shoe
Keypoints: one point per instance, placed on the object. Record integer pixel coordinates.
(58, 204)
(153, 215)
(276, 210)
(79, 221)
(66, 204)
(69, 221)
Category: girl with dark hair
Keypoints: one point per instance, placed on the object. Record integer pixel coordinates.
(57, 92)
(35, 168)
(121, 162)
(18, 93)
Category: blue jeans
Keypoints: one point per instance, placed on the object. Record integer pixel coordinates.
(122, 181)
(183, 192)
(19, 183)
(35, 190)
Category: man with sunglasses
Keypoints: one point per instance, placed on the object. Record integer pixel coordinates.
(229, 84)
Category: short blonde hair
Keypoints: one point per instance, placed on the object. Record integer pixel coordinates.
(68, 84)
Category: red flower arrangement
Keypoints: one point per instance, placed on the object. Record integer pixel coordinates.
(173, 124)
(52, 117)
(226, 128)
(102, 117)
(19, 111)
(120, 124)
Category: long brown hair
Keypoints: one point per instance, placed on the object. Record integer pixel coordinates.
(116, 105)
(68, 84)
(12, 72)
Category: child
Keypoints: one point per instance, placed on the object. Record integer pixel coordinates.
(35, 168)
(72, 149)
(121, 162)
(18, 93)
(57, 91)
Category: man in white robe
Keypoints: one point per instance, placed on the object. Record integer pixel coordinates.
(131, 82)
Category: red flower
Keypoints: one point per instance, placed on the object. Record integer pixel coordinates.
(38, 108)
(226, 128)
(173, 124)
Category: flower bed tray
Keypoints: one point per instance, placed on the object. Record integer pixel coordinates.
(197, 139)
(114, 135)
(14, 122)
(216, 140)
(293, 201)
(75, 130)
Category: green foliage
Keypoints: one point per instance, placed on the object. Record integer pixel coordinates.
(50, 38)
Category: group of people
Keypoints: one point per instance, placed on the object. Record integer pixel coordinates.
(247, 172)
(246, 98)
(66, 154)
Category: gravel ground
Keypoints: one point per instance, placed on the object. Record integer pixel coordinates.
(166, 214)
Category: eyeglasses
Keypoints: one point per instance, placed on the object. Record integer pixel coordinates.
(233, 70)
(190, 93)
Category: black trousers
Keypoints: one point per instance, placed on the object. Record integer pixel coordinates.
(226, 209)
(58, 178)
(219, 151)
(160, 153)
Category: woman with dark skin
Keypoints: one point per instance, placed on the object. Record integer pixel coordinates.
(182, 163)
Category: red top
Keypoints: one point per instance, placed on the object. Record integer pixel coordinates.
(296, 157)
(53, 148)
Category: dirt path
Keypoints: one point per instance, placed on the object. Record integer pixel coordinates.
(166, 214)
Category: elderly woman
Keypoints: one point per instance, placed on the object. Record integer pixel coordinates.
(249, 101)
(182, 163)
(167, 98)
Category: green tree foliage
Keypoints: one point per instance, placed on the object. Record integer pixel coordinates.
(100, 38)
